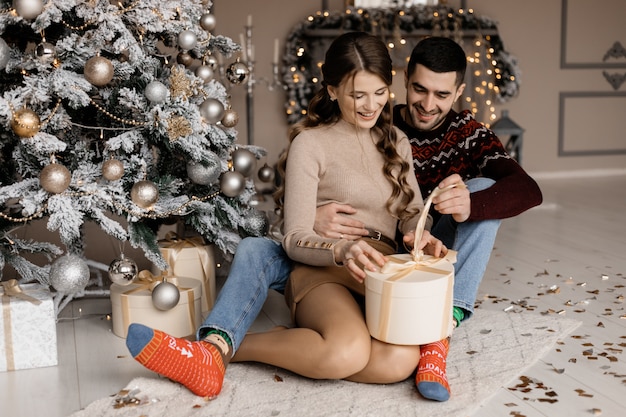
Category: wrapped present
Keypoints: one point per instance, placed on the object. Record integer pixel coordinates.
(133, 304)
(191, 258)
(410, 303)
(28, 333)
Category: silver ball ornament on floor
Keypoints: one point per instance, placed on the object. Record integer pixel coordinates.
(144, 194)
(212, 110)
(237, 72)
(156, 92)
(232, 183)
(165, 296)
(244, 161)
(69, 274)
(55, 178)
(98, 71)
(123, 270)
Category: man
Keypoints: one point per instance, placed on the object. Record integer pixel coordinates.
(448, 148)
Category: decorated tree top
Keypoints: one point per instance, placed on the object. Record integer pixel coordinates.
(111, 107)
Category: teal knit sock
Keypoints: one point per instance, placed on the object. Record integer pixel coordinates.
(458, 314)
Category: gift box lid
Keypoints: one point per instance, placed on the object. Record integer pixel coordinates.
(142, 295)
(423, 281)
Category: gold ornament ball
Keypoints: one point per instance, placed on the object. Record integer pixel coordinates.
(230, 118)
(98, 71)
(28, 9)
(144, 194)
(184, 58)
(25, 123)
(55, 178)
(208, 22)
(112, 169)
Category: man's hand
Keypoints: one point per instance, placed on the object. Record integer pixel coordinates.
(429, 244)
(455, 201)
(331, 223)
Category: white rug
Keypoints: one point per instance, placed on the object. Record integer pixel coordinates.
(487, 352)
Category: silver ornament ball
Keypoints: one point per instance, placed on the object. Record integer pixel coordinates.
(156, 92)
(244, 161)
(266, 173)
(55, 178)
(205, 72)
(237, 72)
(212, 110)
(232, 183)
(144, 194)
(28, 9)
(5, 52)
(69, 274)
(165, 296)
(123, 271)
(187, 40)
(45, 52)
(208, 22)
(98, 71)
(184, 58)
(211, 62)
(202, 174)
(230, 119)
(112, 169)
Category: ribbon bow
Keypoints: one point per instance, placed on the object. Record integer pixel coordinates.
(13, 289)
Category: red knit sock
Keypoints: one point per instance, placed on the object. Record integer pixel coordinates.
(431, 378)
(196, 365)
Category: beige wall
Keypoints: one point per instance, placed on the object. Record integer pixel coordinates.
(530, 29)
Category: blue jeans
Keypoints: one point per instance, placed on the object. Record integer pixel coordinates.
(259, 264)
(474, 243)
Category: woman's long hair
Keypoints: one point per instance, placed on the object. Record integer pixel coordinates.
(348, 54)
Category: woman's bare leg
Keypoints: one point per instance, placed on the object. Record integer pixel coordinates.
(331, 342)
(388, 363)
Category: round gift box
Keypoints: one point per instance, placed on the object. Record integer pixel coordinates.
(411, 307)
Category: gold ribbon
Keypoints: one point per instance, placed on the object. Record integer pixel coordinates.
(11, 289)
(176, 244)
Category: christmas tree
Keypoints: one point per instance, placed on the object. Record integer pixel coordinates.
(113, 108)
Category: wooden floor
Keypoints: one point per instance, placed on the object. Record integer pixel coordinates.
(566, 257)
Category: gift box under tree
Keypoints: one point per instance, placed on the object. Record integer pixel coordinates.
(28, 333)
(191, 258)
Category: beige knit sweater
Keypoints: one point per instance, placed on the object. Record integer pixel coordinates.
(338, 164)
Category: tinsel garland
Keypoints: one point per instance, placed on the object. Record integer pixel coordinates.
(301, 74)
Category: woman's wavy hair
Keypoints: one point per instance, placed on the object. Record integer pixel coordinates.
(348, 54)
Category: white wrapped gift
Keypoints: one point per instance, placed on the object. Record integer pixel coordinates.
(28, 333)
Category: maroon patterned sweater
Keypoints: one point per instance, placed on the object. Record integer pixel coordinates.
(462, 145)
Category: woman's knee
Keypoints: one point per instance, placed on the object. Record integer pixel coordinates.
(343, 358)
(397, 362)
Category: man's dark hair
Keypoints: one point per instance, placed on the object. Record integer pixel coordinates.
(439, 54)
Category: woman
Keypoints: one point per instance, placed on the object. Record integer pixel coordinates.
(346, 150)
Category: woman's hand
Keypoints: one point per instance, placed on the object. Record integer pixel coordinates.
(358, 256)
(429, 244)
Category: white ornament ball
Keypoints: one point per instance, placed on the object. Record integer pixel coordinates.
(187, 40)
(212, 110)
(144, 194)
(156, 92)
(201, 174)
(55, 178)
(208, 22)
(5, 51)
(244, 161)
(28, 9)
(98, 71)
(205, 72)
(123, 270)
(165, 296)
(69, 274)
(232, 183)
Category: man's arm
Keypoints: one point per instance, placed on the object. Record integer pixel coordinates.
(331, 222)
